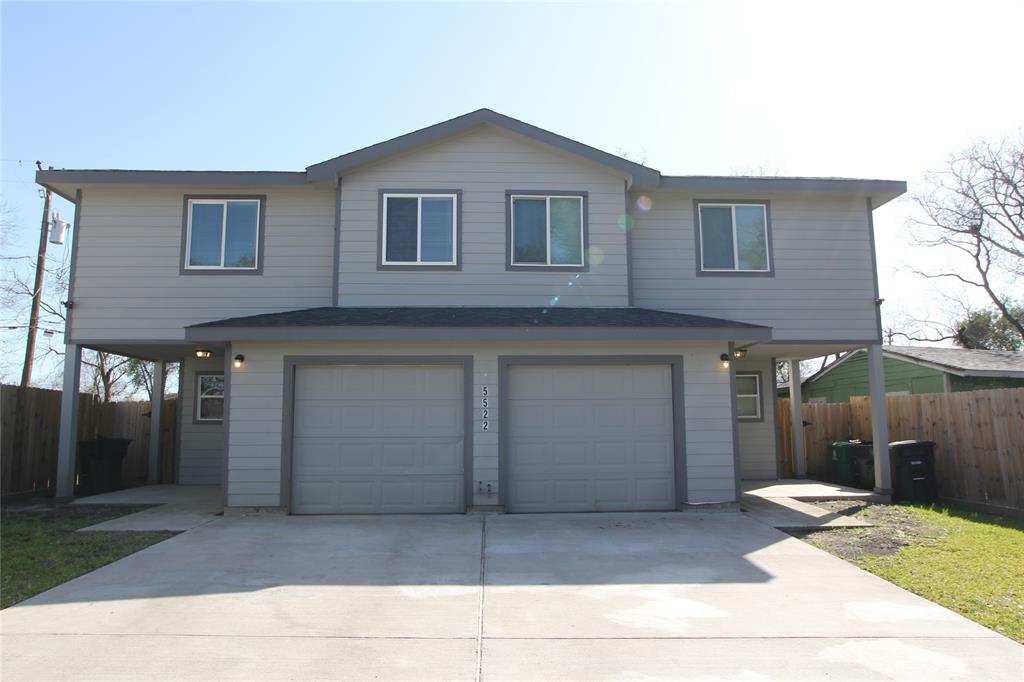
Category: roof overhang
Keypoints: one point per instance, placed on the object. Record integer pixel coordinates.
(880, 191)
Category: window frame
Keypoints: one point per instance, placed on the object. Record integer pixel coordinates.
(186, 233)
(198, 398)
(759, 383)
(732, 204)
(382, 240)
(511, 265)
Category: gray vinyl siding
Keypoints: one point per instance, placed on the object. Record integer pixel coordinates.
(254, 461)
(823, 286)
(201, 460)
(757, 438)
(127, 279)
(483, 164)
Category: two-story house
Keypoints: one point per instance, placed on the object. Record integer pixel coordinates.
(479, 314)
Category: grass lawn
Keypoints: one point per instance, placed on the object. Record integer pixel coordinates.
(969, 562)
(40, 549)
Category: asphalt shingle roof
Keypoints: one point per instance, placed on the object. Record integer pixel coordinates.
(478, 317)
(964, 359)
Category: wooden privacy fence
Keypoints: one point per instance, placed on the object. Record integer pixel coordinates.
(30, 430)
(978, 435)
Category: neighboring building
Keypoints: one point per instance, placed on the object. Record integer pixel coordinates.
(911, 370)
(479, 314)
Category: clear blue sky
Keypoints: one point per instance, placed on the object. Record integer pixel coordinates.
(860, 89)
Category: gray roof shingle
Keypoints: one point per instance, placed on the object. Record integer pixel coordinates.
(963, 359)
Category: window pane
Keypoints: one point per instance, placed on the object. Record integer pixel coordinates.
(211, 408)
(401, 229)
(746, 407)
(746, 384)
(207, 221)
(716, 237)
(211, 385)
(566, 237)
(751, 238)
(242, 233)
(436, 230)
(529, 218)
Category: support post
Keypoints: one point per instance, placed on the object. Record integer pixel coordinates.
(156, 413)
(67, 447)
(879, 420)
(796, 411)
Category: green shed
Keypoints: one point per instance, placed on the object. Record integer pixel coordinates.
(914, 370)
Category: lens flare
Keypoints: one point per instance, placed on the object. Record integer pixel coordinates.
(597, 256)
(626, 222)
(553, 301)
(644, 203)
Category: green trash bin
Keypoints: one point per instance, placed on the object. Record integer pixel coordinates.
(845, 462)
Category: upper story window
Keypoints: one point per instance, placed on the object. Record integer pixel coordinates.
(209, 397)
(547, 230)
(223, 234)
(733, 238)
(419, 229)
(748, 396)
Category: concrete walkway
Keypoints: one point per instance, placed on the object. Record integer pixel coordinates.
(559, 597)
(180, 507)
(785, 503)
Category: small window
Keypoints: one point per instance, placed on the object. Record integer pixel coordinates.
(748, 396)
(547, 230)
(733, 237)
(210, 398)
(223, 234)
(419, 229)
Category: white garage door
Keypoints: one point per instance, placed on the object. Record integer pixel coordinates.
(590, 438)
(370, 439)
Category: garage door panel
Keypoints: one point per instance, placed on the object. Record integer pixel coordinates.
(590, 438)
(378, 439)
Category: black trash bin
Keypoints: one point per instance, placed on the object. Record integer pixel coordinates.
(864, 465)
(913, 471)
(99, 463)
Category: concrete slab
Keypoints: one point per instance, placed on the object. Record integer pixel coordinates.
(785, 512)
(179, 507)
(568, 597)
(809, 490)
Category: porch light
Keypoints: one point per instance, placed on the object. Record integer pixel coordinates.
(239, 360)
(724, 357)
(201, 353)
(740, 353)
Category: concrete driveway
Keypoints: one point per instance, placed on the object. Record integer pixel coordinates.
(584, 597)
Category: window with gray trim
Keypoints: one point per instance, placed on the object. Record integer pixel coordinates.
(222, 234)
(733, 237)
(419, 229)
(547, 230)
(209, 397)
(748, 395)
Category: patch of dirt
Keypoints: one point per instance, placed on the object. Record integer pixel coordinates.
(894, 528)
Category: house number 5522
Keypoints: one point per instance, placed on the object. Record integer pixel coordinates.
(485, 406)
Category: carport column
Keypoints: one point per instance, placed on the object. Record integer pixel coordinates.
(796, 411)
(67, 446)
(879, 420)
(155, 421)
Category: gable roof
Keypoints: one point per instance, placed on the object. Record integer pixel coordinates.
(332, 168)
(964, 362)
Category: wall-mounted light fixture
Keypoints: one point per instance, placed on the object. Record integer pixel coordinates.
(202, 353)
(239, 360)
(724, 357)
(740, 353)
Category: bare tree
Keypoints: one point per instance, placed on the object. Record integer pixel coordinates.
(975, 207)
(108, 374)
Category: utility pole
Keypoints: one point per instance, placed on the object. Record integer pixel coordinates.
(37, 291)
